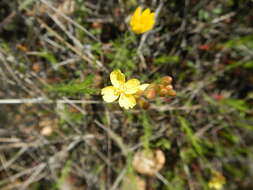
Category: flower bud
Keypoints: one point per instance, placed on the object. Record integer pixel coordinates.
(150, 93)
(138, 93)
(166, 80)
(172, 92)
(143, 103)
(163, 92)
(169, 87)
(166, 90)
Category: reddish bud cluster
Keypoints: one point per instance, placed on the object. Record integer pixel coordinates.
(163, 89)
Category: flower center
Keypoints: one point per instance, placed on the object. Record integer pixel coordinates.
(121, 89)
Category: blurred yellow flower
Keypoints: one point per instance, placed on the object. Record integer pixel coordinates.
(123, 90)
(142, 21)
(217, 181)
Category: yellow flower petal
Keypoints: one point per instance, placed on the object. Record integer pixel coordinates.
(144, 86)
(117, 78)
(152, 16)
(146, 12)
(132, 86)
(217, 182)
(127, 101)
(137, 13)
(142, 21)
(109, 93)
(215, 186)
(135, 19)
(137, 29)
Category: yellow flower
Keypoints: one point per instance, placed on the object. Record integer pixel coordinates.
(217, 181)
(123, 90)
(142, 21)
